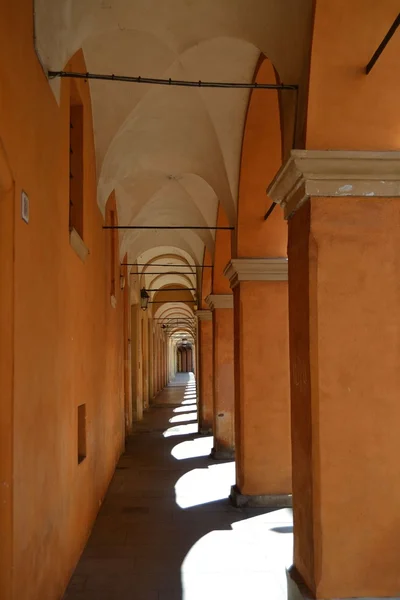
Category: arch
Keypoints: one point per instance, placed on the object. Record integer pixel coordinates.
(260, 160)
(223, 243)
(206, 279)
(210, 41)
(164, 280)
(137, 242)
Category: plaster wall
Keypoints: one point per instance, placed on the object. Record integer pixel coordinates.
(205, 352)
(7, 196)
(262, 400)
(67, 339)
(262, 404)
(224, 387)
(205, 344)
(342, 310)
(347, 109)
(345, 409)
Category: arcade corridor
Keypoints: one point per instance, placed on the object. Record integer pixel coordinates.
(209, 191)
(166, 530)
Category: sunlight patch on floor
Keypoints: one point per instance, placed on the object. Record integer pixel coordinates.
(248, 561)
(193, 448)
(187, 408)
(187, 429)
(200, 486)
(182, 418)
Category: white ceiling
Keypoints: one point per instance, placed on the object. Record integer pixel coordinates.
(171, 153)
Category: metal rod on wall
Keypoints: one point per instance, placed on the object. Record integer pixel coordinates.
(383, 44)
(169, 266)
(173, 82)
(166, 227)
(174, 301)
(191, 320)
(269, 211)
(166, 273)
(170, 289)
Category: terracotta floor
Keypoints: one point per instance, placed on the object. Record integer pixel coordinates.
(166, 530)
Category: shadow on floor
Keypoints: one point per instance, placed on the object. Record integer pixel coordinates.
(166, 530)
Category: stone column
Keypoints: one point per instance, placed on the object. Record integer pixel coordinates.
(165, 362)
(159, 360)
(184, 360)
(262, 391)
(155, 362)
(151, 359)
(145, 354)
(344, 321)
(127, 354)
(136, 371)
(205, 370)
(224, 389)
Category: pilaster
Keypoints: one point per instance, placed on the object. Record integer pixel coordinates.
(256, 269)
(262, 406)
(224, 396)
(204, 314)
(219, 301)
(344, 255)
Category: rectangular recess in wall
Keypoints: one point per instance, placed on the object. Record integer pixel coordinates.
(81, 433)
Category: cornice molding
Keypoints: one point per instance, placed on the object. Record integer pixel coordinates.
(78, 245)
(334, 173)
(220, 301)
(204, 314)
(256, 269)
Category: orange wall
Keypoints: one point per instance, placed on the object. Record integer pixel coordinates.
(7, 194)
(347, 109)
(262, 403)
(206, 279)
(345, 355)
(262, 411)
(205, 350)
(68, 343)
(342, 253)
(223, 408)
(260, 160)
(300, 381)
(220, 284)
(224, 387)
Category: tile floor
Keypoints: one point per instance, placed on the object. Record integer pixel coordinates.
(166, 530)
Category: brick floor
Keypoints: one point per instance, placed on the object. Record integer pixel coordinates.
(166, 530)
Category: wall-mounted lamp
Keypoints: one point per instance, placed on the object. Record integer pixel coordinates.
(144, 299)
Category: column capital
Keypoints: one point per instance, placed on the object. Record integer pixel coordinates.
(334, 173)
(220, 301)
(204, 314)
(256, 269)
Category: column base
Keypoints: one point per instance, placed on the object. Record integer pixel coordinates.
(297, 590)
(222, 454)
(259, 501)
(205, 431)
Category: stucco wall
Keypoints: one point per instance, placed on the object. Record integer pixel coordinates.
(68, 340)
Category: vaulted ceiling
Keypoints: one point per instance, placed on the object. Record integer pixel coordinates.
(172, 153)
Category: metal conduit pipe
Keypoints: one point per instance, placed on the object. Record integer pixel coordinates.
(173, 82)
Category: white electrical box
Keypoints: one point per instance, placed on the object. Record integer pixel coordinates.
(24, 207)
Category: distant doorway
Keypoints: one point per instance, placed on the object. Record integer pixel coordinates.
(185, 359)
